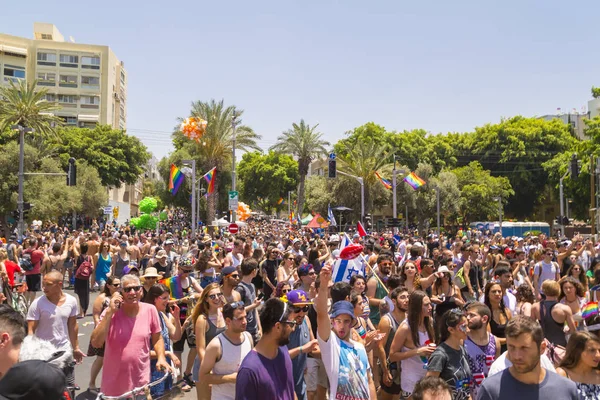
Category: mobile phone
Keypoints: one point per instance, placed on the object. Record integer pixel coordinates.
(261, 296)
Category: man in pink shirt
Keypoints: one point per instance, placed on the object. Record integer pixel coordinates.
(33, 277)
(125, 327)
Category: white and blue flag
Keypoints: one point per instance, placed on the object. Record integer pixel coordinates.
(344, 269)
(332, 220)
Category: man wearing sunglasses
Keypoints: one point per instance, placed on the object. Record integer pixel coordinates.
(302, 341)
(125, 327)
(230, 277)
(225, 353)
(307, 276)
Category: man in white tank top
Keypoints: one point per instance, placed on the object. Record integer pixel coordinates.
(225, 353)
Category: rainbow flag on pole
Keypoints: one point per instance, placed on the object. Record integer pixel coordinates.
(384, 182)
(174, 285)
(175, 179)
(280, 201)
(414, 181)
(210, 178)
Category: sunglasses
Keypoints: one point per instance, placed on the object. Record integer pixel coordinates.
(237, 304)
(300, 309)
(115, 284)
(186, 271)
(284, 291)
(215, 296)
(132, 288)
(290, 258)
(234, 276)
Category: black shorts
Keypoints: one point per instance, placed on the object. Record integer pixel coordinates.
(395, 388)
(34, 282)
(180, 344)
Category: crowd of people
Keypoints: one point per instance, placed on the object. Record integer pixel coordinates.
(469, 316)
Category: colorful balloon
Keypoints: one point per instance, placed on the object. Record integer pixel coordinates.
(351, 251)
(193, 128)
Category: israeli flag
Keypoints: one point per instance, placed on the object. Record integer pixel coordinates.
(344, 241)
(343, 270)
(330, 216)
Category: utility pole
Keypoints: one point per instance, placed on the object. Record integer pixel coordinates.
(562, 202)
(362, 194)
(593, 194)
(437, 195)
(22, 131)
(233, 214)
(194, 223)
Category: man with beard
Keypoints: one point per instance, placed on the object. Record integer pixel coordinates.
(482, 347)
(390, 382)
(376, 292)
(526, 379)
(266, 372)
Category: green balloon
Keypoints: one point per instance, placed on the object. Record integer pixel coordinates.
(163, 216)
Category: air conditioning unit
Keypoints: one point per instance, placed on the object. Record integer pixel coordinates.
(116, 96)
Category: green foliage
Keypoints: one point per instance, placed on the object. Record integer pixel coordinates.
(144, 222)
(118, 157)
(25, 104)
(477, 191)
(148, 205)
(267, 177)
(595, 92)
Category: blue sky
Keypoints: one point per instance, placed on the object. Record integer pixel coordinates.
(438, 65)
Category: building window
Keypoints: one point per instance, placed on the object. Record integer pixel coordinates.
(13, 73)
(69, 61)
(90, 62)
(90, 82)
(67, 99)
(46, 36)
(83, 124)
(50, 97)
(122, 78)
(46, 79)
(90, 102)
(46, 58)
(68, 81)
(70, 120)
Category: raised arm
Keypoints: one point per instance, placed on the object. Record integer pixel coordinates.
(324, 323)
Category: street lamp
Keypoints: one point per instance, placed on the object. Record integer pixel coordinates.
(22, 131)
(233, 215)
(193, 164)
(394, 185)
(499, 200)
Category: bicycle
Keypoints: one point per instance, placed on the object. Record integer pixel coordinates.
(143, 390)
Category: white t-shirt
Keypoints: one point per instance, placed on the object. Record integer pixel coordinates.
(549, 271)
(510, 302)
(503, 363)
(52, 325)
(347, 368)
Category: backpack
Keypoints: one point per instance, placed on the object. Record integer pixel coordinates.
(459, 279)
(84, 271)
(26, 263)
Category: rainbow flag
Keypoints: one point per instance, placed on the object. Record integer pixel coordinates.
(174, 285)
(384, 182)
(215, 247)
(589, 309)
(280, 201)
(175, 179)
(210, 178)
(414, 181)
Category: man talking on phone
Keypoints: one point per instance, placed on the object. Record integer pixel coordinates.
(247, 291)
(125, 327)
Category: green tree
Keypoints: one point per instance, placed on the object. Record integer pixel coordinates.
(306, 144)
(595, 92)
(25, 104)
(118, 157)
(215, 147)
(478, 190)
(267, 177)
(516, 148)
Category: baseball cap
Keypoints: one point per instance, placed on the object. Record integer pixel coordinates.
(356, 235)
(228, 271)
(334, 238)
(167, 242)
(123, 243)
(305, 269)
(342, 307)
(185, 262)
(296, 241)
(298, 298)
(33, 380)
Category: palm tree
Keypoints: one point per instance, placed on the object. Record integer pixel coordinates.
(23, 105)
(215, 147)
(304, 143)
(363, 158)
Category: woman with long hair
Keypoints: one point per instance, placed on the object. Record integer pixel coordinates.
(449, 361)
(500, 313)
(411, 279)
(572, 294)
(208, 322)
(287, 269)
(582, 357)
(414, 341)
(577, 272)
(282, 289)
(359, 285)
(159, 297)
(525, 299)
(208, 264)
(103, 264)
(445, 295)
(112, 285)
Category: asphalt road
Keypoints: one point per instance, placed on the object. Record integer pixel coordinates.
(82, 371)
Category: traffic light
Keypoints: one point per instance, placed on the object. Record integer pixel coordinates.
(574, 167)
(26, 208)
(368, 221)
(565, 221)
(72, 173)
(332, 169)
(15, 215)
(559, 219)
